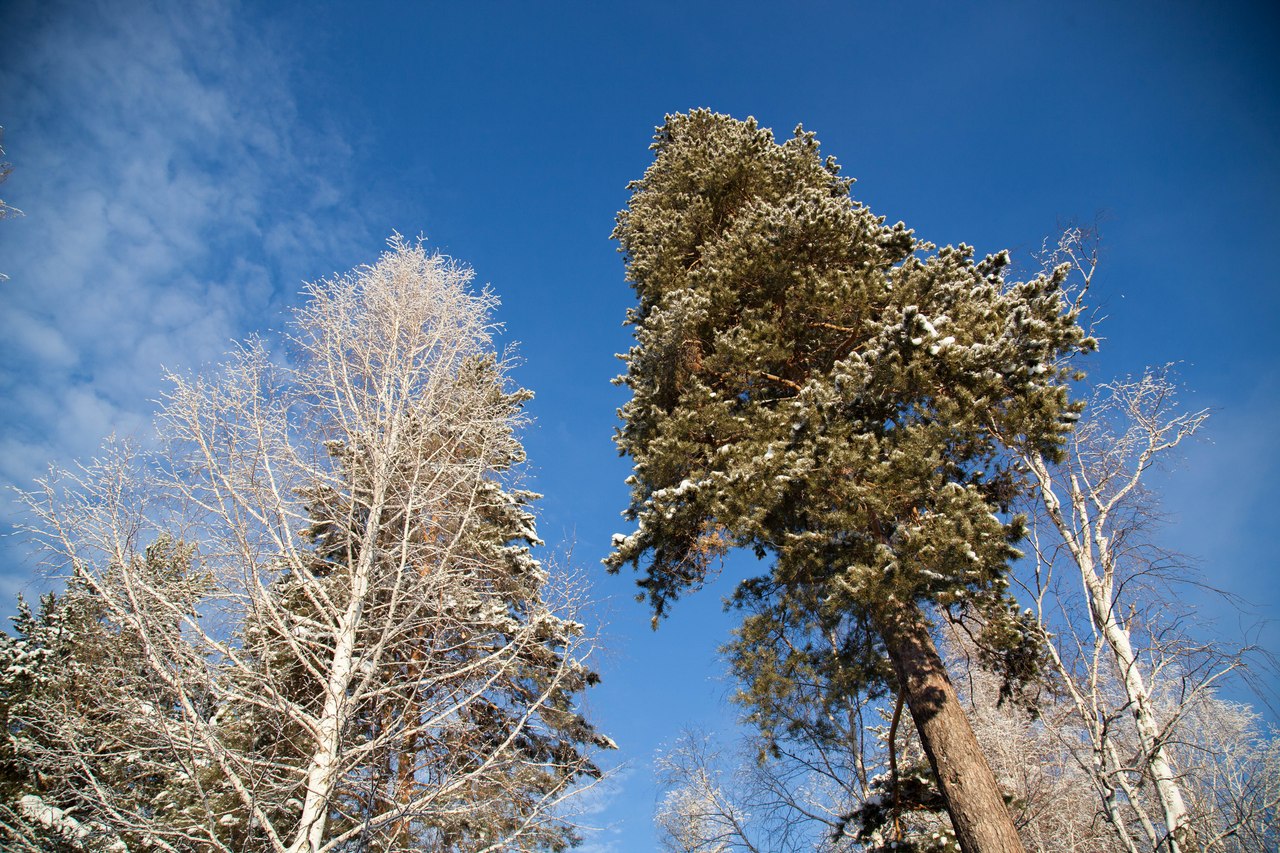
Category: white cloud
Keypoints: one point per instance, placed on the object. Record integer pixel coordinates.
(589, 808)
(171, 207)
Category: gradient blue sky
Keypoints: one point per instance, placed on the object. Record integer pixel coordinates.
(183, 167)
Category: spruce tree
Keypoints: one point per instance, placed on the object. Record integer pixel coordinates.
(80, 713)
(813, 384)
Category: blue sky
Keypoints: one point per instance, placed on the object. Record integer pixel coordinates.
(183, 172)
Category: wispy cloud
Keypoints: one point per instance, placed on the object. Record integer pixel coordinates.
(590, 808)
(172, 204)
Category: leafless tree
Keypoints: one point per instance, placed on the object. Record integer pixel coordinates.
(6, 210)
(699, 812)
(719, 798)
(1108, 598)
(357, 651)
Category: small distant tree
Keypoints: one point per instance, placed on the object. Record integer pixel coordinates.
(321, 625)
(813, 384)
(5, 170)
(6, 210)
(707, 803)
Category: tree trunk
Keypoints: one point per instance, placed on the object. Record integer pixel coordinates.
(1177, 817)
(968, 786)
(1098, 575)
(323, 771)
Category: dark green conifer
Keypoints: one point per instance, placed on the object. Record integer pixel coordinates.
(818, 386)
(74, 703)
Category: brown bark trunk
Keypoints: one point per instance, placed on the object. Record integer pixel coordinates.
(968, 786)
(406, 781)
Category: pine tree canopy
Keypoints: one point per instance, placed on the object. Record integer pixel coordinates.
(815, 384)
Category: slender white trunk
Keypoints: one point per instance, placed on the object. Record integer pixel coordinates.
(1090, 549)
(1156, 758)
(322, 773)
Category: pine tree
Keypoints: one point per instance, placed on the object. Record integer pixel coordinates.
(814, 384)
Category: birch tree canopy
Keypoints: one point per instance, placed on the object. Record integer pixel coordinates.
(328, 630)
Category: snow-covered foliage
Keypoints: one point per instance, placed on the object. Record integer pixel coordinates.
(313, 620)
(818, 386)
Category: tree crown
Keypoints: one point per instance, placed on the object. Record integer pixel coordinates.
(812, 382)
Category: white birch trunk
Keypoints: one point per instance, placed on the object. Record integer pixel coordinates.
(1085, 535)
(322, 774)
(1176, 816)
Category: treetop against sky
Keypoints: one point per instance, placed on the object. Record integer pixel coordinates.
(183, 172)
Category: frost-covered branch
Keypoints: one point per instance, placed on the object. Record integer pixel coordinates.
(324, 617)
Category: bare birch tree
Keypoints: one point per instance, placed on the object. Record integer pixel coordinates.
(354, 649)
(1127, 664)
